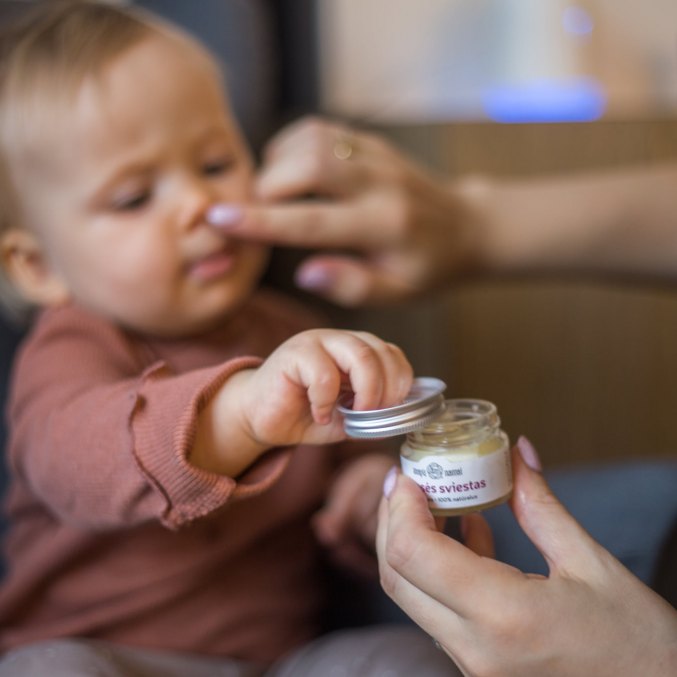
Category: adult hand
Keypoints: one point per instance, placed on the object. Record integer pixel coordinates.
(395, 230)
(590, 616)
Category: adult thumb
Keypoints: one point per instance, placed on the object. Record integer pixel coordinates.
(566, 546)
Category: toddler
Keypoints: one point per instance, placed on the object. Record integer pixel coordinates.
(167, 491)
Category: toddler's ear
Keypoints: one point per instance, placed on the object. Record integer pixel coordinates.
(25, 266)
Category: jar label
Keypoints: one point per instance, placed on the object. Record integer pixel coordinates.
(451, 483)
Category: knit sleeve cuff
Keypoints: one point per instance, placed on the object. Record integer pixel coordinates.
(164, 423)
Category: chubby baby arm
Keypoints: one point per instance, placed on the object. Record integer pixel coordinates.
(290, 399)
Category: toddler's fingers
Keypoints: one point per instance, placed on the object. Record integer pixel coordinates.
(397, 371)
(315, 370)
(381, 375)
(360, 362)
(319, 359)
(378, 373)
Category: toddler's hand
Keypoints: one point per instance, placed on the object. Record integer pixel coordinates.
(347, 523)
(291, 397)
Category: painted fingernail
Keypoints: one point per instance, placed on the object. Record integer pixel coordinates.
(313, 279)
(390, 481)
(223, 215)
(529, 454)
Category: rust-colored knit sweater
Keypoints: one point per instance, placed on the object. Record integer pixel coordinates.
(114, 534)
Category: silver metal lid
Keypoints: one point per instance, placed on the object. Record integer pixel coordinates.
(424, 403)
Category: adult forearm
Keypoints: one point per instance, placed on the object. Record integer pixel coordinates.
(616, 221)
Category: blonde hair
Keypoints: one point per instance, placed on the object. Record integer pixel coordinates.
(43, 61)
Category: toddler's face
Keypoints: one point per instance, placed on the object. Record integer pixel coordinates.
(119, 203)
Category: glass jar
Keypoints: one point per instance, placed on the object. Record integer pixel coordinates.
(461, 459)
(454, 449)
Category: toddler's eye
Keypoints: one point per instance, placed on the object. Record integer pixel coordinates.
(132, 202)
(217, 167)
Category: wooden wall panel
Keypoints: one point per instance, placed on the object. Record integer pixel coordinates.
(587, 370)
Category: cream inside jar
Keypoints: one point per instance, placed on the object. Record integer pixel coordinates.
(454, 449)
(461, 459)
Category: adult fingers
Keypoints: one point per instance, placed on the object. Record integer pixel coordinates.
(309, 158)
(344, 143)
(309, 171)
(350, 281)
(425, 610)
(309, 223)
(438, 566)
(294, 133)
(562, 541)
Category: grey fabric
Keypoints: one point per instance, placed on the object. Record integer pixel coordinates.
(379, 651)
(628, 507)
(384, 651)
(86, 658)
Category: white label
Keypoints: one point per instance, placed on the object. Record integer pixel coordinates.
(452, 484)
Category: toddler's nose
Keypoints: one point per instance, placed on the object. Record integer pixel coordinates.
(195, 199)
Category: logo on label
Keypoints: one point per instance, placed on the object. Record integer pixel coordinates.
(464, 483)
(435, 471)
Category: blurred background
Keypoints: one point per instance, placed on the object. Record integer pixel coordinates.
(586, 368)
(499, 60)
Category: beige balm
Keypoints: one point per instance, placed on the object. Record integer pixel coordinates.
(460, 459)
(454, 449)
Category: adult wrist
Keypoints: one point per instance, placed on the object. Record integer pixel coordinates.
(473, 211)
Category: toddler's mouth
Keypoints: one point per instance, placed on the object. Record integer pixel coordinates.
(214, 265)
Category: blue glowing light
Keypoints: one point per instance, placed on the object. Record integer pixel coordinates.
(577, 21)
(576, 100)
